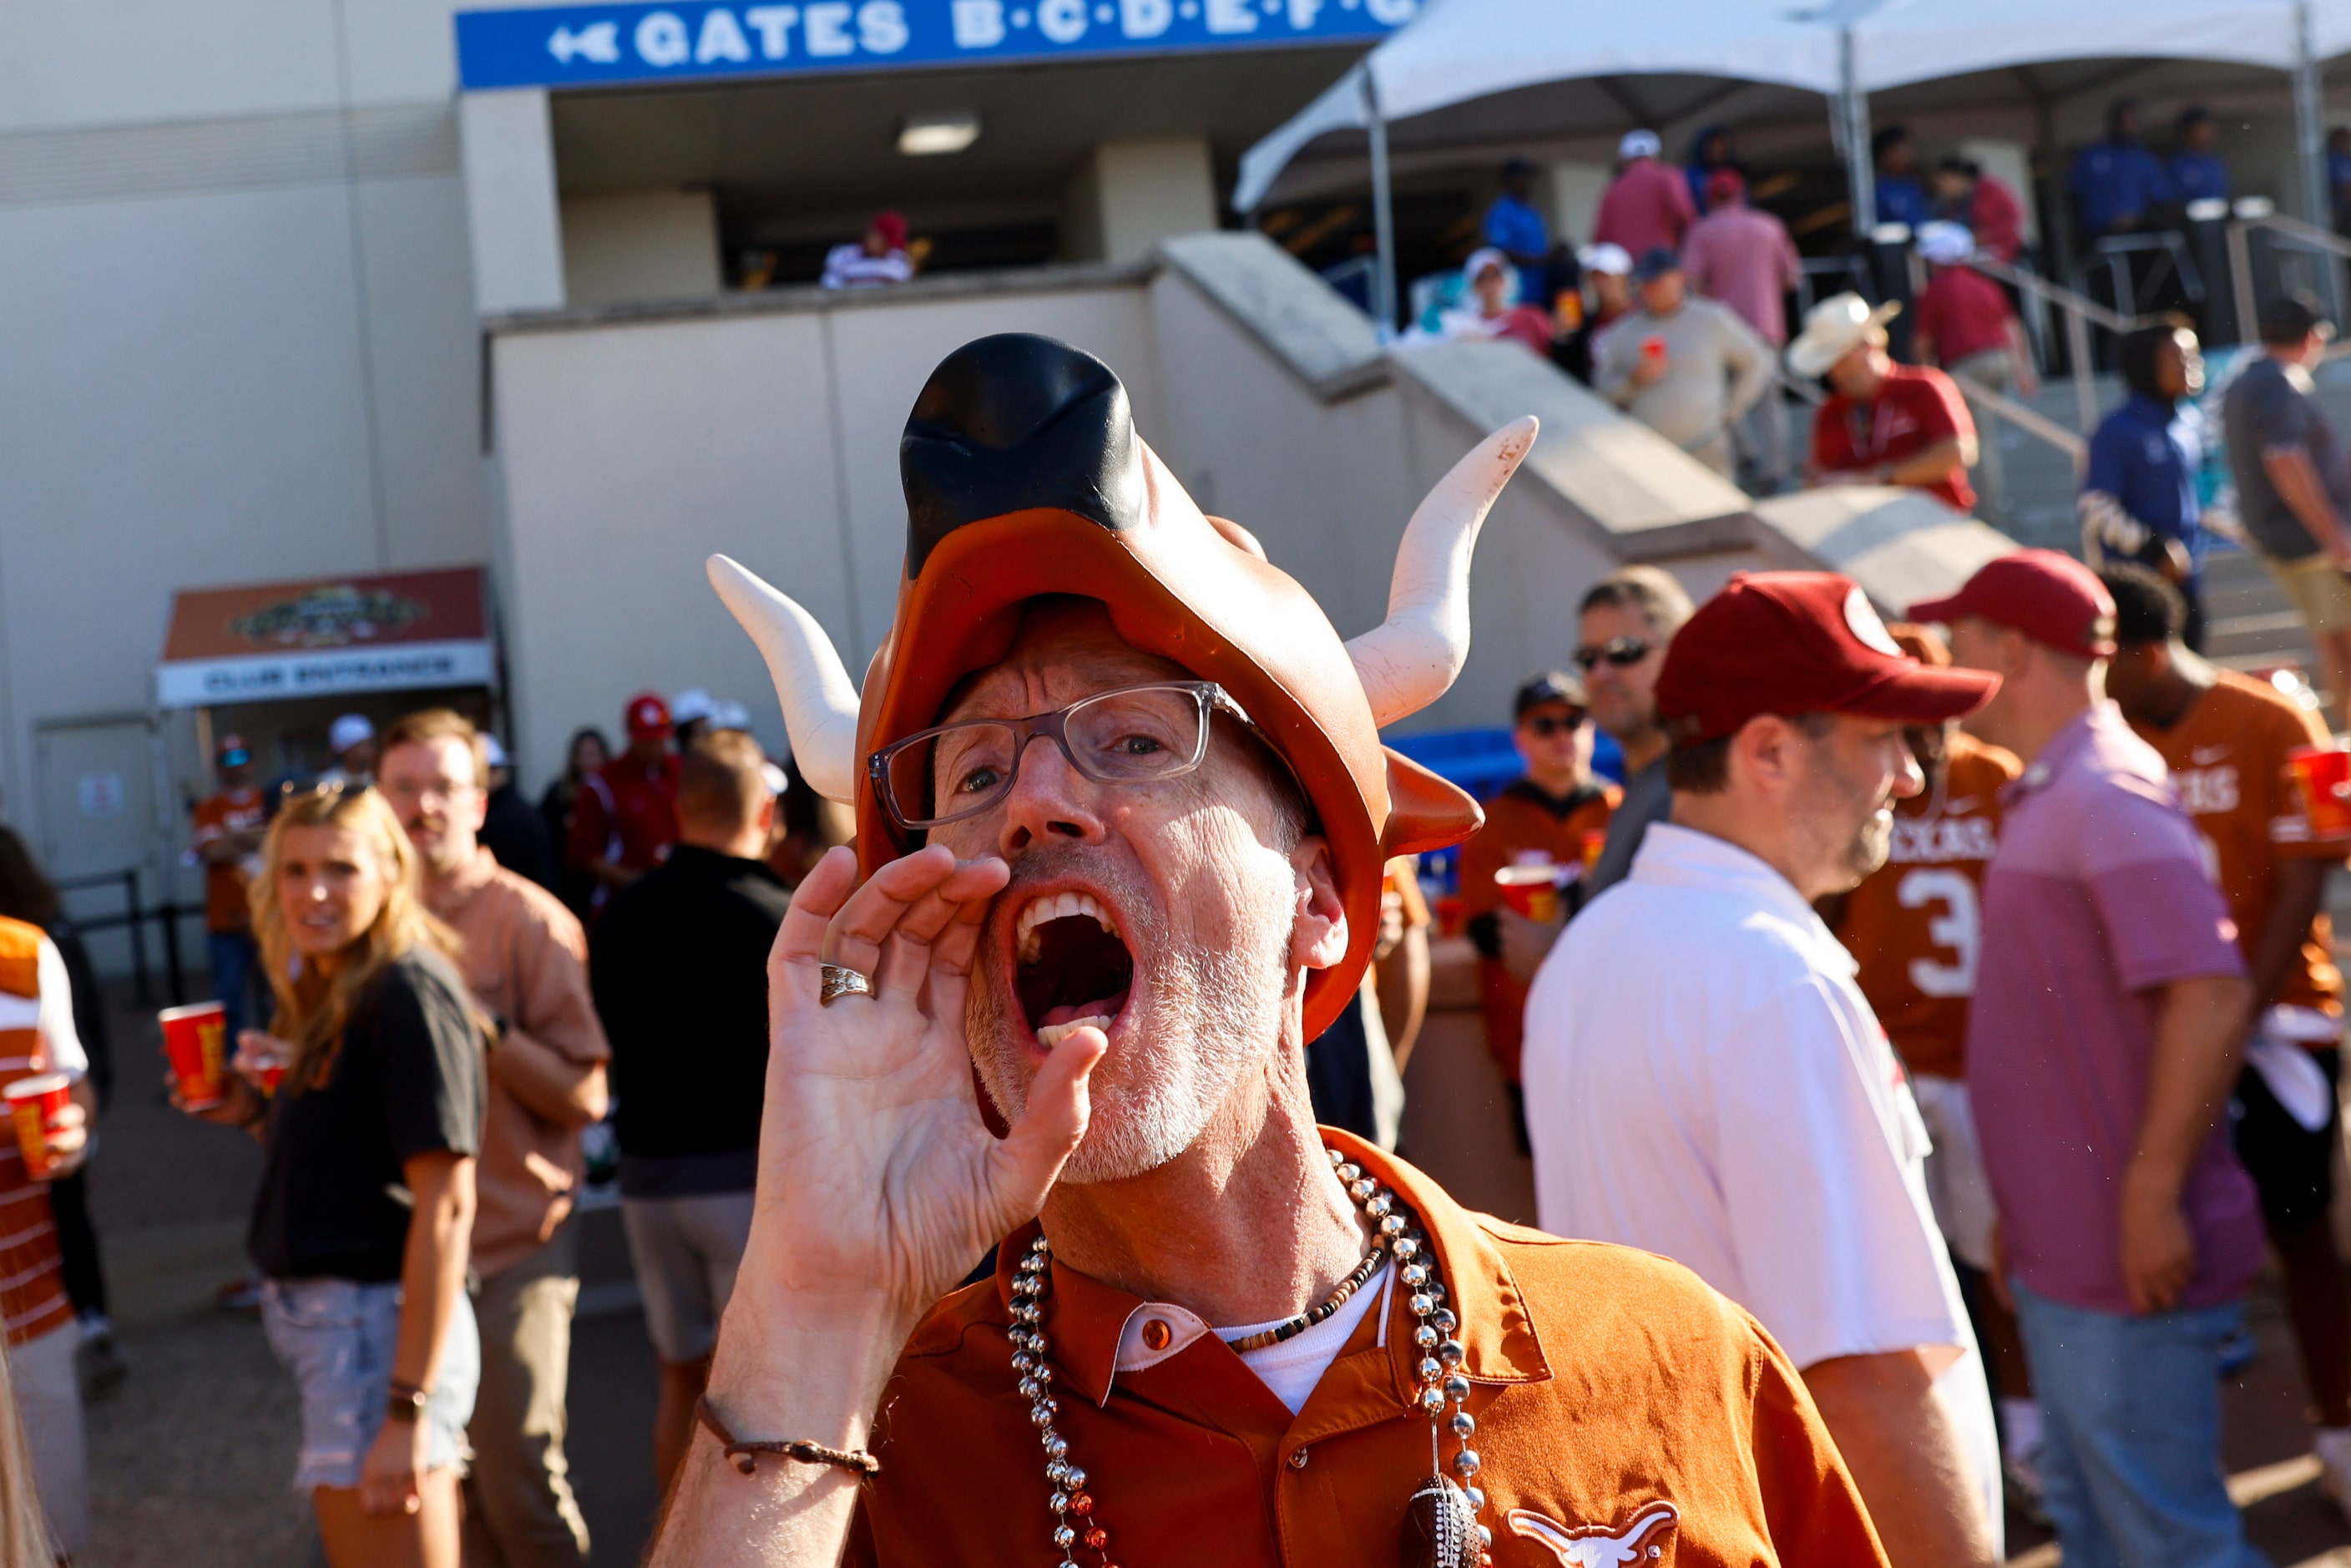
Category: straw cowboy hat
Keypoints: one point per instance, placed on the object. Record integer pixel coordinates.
(1832, 327)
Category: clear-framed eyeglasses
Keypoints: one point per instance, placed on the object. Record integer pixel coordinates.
(1131, 735)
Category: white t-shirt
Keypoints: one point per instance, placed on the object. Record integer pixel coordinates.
(52, 1015)
(1705, 1081)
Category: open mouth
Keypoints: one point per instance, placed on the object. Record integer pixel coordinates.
(1069, 967)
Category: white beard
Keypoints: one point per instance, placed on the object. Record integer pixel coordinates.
(1205, 1021)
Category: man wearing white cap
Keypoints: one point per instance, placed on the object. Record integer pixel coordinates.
(352, 738)
(1884, 424)
(1485, 309)
(1647, 206)
(1966, 324)
(1609, 272)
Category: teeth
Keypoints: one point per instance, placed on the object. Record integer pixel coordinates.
(1053, 1034)
(1057, 906)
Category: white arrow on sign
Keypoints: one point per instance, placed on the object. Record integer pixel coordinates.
(598, 43)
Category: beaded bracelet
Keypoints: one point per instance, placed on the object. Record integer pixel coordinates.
(745, 1457)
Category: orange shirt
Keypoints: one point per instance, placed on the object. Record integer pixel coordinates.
(1523, 827)
(32, 1299)
(217, 815)
(1914, 924)
(2227, 756)
(1614, 1394)
(525, 960)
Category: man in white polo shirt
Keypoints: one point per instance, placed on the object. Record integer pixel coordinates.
(1704, 1079)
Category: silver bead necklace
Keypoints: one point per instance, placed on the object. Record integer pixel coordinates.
(1443, 1511)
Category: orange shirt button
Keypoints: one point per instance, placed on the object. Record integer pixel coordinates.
(1298, 1459)
(1156, 1333)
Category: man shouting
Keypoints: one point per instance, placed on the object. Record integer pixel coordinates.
(1123, 814)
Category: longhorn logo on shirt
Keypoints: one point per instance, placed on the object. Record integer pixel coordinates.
(1596, 1545)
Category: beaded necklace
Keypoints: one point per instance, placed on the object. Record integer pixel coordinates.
(1442, 1516)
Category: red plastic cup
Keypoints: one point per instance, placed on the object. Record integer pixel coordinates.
(1590, 847)
(2323, 774)
(1532, 890)
(33, 1105)
(1654, 348)
(272, 1074)
(195, 1039)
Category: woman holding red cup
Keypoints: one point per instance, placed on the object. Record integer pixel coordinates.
(361, 1226)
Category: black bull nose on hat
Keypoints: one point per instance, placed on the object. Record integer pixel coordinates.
(1024, 477)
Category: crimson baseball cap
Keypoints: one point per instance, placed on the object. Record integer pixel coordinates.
(648, 717)
(1792, 642)
(2050, 597)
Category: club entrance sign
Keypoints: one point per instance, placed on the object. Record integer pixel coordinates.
(588, 46)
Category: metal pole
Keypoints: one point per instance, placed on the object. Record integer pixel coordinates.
(2077, 349)
(1861, 175)
(2310, 146)
(2241, 280)
(1384, 284)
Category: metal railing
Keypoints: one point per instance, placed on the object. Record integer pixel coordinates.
(133, 917)
(2293, 232)
(2081, 313)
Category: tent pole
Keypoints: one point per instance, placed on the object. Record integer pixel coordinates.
(2310, 148)
(1853, 106)
(1384, 284)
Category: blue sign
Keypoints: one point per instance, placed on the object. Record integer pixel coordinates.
(584, 45)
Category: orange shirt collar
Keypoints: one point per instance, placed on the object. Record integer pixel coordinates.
(1085, 1319)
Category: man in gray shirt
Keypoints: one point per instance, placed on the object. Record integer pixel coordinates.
(1624, 624)
(1686, 367)
(2294, 487)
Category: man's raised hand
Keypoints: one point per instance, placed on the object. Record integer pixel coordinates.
(879, 1183)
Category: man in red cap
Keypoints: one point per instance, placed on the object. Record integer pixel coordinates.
(1705, 1079)
(1145, 776)
(2111, 1009)
(626, 818)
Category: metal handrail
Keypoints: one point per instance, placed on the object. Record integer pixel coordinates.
(2081, 311)
(2294, 231)
(2025, 417)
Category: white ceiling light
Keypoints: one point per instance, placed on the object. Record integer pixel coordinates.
(926, 135)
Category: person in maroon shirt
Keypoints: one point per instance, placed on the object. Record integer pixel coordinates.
(625, 818)
(1966, 324)
(1982, 204)
(1884, 424)
(1647, 207)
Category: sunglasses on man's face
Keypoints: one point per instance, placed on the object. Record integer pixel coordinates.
(1551, 724)
(1621, 652)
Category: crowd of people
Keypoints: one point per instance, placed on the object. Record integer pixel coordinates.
(1676, 311)
(1922, 1042)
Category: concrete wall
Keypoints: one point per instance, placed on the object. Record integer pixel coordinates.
(243, 341)
(627, 452)
(644, 244)
(1130, 195)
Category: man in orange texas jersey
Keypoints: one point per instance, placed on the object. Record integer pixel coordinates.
(1542, 819)
(2225, 737)
(1914, 928)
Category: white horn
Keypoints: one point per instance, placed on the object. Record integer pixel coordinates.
(820, 705)
(1407, 661)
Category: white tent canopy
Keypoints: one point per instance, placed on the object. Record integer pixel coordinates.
(1461, 50)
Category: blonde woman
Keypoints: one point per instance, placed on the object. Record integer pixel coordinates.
(367, 1197)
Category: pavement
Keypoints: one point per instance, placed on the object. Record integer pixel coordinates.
(189, 1459)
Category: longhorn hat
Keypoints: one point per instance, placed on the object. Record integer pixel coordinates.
(1024, 477)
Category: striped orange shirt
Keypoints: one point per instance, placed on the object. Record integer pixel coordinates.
(32, 1278)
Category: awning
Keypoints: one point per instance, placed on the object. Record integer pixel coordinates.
(326, 637)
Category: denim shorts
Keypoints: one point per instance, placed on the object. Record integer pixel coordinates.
(337, 1337)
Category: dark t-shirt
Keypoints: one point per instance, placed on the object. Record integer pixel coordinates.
(2269, 407)
(679, 963)
(408, 1078)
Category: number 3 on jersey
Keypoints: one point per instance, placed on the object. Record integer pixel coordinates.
(1958, 929)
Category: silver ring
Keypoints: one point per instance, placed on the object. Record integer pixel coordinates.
(838, 980)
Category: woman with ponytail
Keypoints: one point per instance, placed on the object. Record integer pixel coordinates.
(367, 1197)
